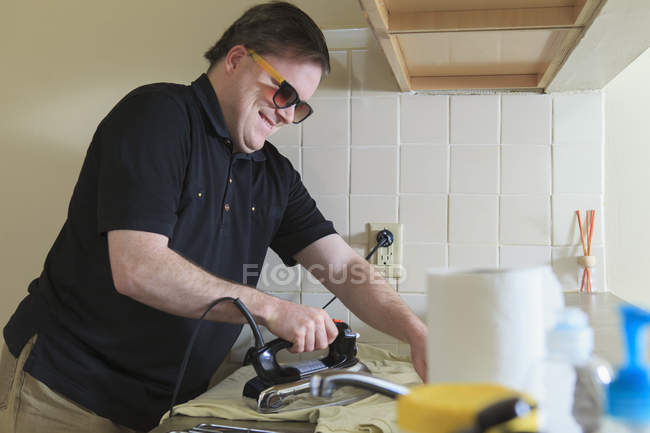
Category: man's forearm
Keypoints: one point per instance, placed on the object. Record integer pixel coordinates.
(165, 280)
(358, 284)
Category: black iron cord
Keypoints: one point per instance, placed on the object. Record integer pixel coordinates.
(259, 341)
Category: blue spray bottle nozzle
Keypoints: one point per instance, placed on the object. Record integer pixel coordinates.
(628, 396)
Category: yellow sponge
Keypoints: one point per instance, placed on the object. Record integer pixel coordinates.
(445, 408)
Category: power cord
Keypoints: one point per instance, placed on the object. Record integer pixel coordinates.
(385, 238)
(259, 341)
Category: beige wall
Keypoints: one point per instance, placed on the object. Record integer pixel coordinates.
(627, 181)
(64, 65)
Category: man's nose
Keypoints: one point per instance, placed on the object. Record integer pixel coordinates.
(286, 113)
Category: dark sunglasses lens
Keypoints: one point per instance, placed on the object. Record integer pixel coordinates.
(301, 112)
(285, 96)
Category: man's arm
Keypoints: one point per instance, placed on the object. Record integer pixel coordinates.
(147, 270)
(356, 283)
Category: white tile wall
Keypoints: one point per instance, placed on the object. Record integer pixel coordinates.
(474, 119)
(565, 221)
(473, 256)
(374, 170)
(336, 209)
(365, 209)
(525, 220)
(293, 154)
(288, 135)
(424, 168)
(477, 180)
(333, 133)
(578, 118)
(525, 170)
(424, 119)
(473, 219)
(425, 216)
(374, 121)
(417, 259)
(516, 256)
(275, 277)
(577, 169)
(325, 170)
(526, 119)
(475, 169)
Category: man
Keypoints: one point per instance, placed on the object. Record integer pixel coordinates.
(179, 195)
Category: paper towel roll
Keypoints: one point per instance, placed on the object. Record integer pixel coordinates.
(489, 326)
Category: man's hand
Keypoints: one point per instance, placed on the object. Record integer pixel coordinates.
(419, 356)
(307, 328)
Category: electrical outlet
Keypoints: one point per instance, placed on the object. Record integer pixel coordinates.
(387, 260)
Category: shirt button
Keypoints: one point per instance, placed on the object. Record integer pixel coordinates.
(226, 207)
(230, 180)
(253, 208)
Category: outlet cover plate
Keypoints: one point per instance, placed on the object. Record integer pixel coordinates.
(387, 260)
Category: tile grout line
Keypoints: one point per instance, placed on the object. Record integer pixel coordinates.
(448, 141)
(499, 177)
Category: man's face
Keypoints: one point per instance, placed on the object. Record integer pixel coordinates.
(253, 116)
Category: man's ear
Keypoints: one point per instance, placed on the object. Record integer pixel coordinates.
(234, 58)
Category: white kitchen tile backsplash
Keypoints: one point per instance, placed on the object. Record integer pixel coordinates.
(525, 169)
(424, 168)
(367, 208)
(337, 209)
(374, 121)
(486, 180)
(473, 256)
(288, 135)
(293, 154)
(517, 256)
(417, 259)
(371, 74)
(326, 170)
(475, 169)
(473, 219)
(526, 119)
(335, 132)
(474, 119)
(424, 119)
(578, 119)
(525, 220)
(577, 169)
(425, 216)
(373, 170)
(565, 222)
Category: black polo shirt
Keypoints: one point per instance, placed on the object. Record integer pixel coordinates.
(160, 162)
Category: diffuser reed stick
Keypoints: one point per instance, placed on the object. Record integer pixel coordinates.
(586, 260)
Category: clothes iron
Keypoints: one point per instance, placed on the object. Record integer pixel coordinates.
(281, 388)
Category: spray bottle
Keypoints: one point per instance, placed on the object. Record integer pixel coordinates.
(569, 383)
(628, 395)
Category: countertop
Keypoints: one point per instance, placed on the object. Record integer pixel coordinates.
(603, 316)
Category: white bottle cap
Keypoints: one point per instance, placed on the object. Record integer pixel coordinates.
(572, 337)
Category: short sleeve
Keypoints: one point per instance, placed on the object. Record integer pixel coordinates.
(143, 154)
(301, 225)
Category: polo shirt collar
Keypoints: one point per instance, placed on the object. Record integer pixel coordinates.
(205, 92)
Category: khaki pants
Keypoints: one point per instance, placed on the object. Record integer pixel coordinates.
(29, 406)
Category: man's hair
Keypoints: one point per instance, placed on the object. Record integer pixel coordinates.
(276, 28)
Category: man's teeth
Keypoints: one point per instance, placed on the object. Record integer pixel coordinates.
(266, 121)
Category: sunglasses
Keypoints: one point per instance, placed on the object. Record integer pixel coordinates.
(286, 95)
